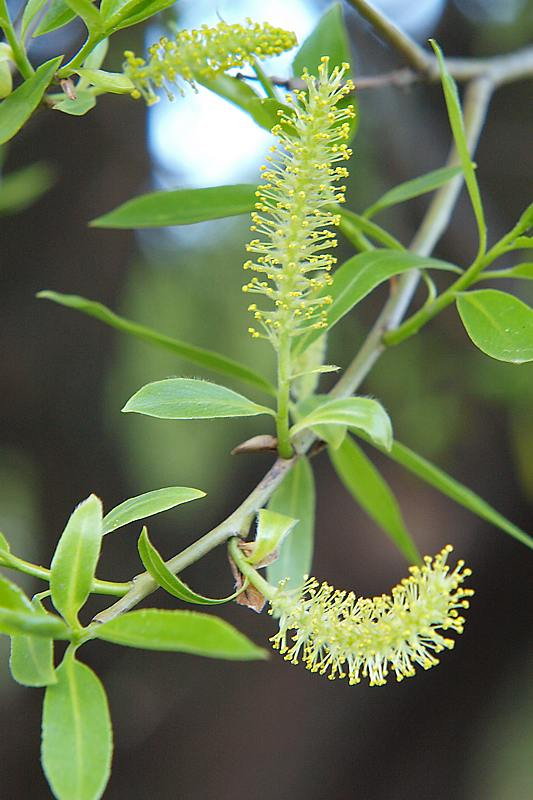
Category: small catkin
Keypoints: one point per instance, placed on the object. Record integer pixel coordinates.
(332, 632)
(294, 216)
(202, 54)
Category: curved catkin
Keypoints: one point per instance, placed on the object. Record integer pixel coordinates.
(332, 632)
(202, 55)
(293, 219)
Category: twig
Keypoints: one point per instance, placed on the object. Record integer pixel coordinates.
(494, 72)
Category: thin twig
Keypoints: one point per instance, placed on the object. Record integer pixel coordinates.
(495, 72)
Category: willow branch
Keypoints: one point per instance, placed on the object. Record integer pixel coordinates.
(477, 99)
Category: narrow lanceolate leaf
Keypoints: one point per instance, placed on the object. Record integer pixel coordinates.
(186, 398)
(180, 207)
(352, 225)
(123, 13)
(498, 323)
(272, 530)
(361, 413)
(159, 571)
(57, 16)
(520, 272)
(455, 115)
(263, 111)
(77, 739)
(22, 188)
(148, 504)
(295, 498)
(20, 105)
(74, 562)
(522, 243)
(32, 657)
(414, 188)
(31, 9)
(87, 11)
(196, 355)
(180, 632)
(525, 221)
(371, 491)
(4, 544)
(328, 38)
(358, 276)
(452, 488)
(18, 616)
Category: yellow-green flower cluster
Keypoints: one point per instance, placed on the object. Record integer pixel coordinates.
(293, 216)
(337, 634)
(201, 55)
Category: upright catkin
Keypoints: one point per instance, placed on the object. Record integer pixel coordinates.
(294, 214)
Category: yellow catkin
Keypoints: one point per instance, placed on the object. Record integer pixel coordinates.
(201, 55)
(293, 219)
(332, 632)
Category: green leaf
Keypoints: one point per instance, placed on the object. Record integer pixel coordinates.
(353, 412)
(6, 63)
(272, 530)
(31, 9)
(20, 189)
(87, 12)
(522, 243)
(17, 615)
(159, 571)
(180, 207)
(523, 271)
(455, 116)
(186, 398)
(498, 323)
(58, 15)
(96, 57)
(453, 489)
(181, 632)
(352, 225)
(295, 498)
(77, 738)
(32, 657)
(16, 109)
(84, 102)
(525, 220)
(4, 544)
(414, 188)
(358, 276)
(196, 355)
(74, 562)
(263, 110)
(12, 597)
(329, 38)
(119, 14)
(113, 82)
(370, 490)
(148, 504)
(332, 434)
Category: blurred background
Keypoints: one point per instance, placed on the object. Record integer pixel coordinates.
(196, 729)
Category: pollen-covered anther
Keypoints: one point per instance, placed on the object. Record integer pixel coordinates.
(203, 54)
(334, 632)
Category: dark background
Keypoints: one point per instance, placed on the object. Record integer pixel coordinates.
(196, 729)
